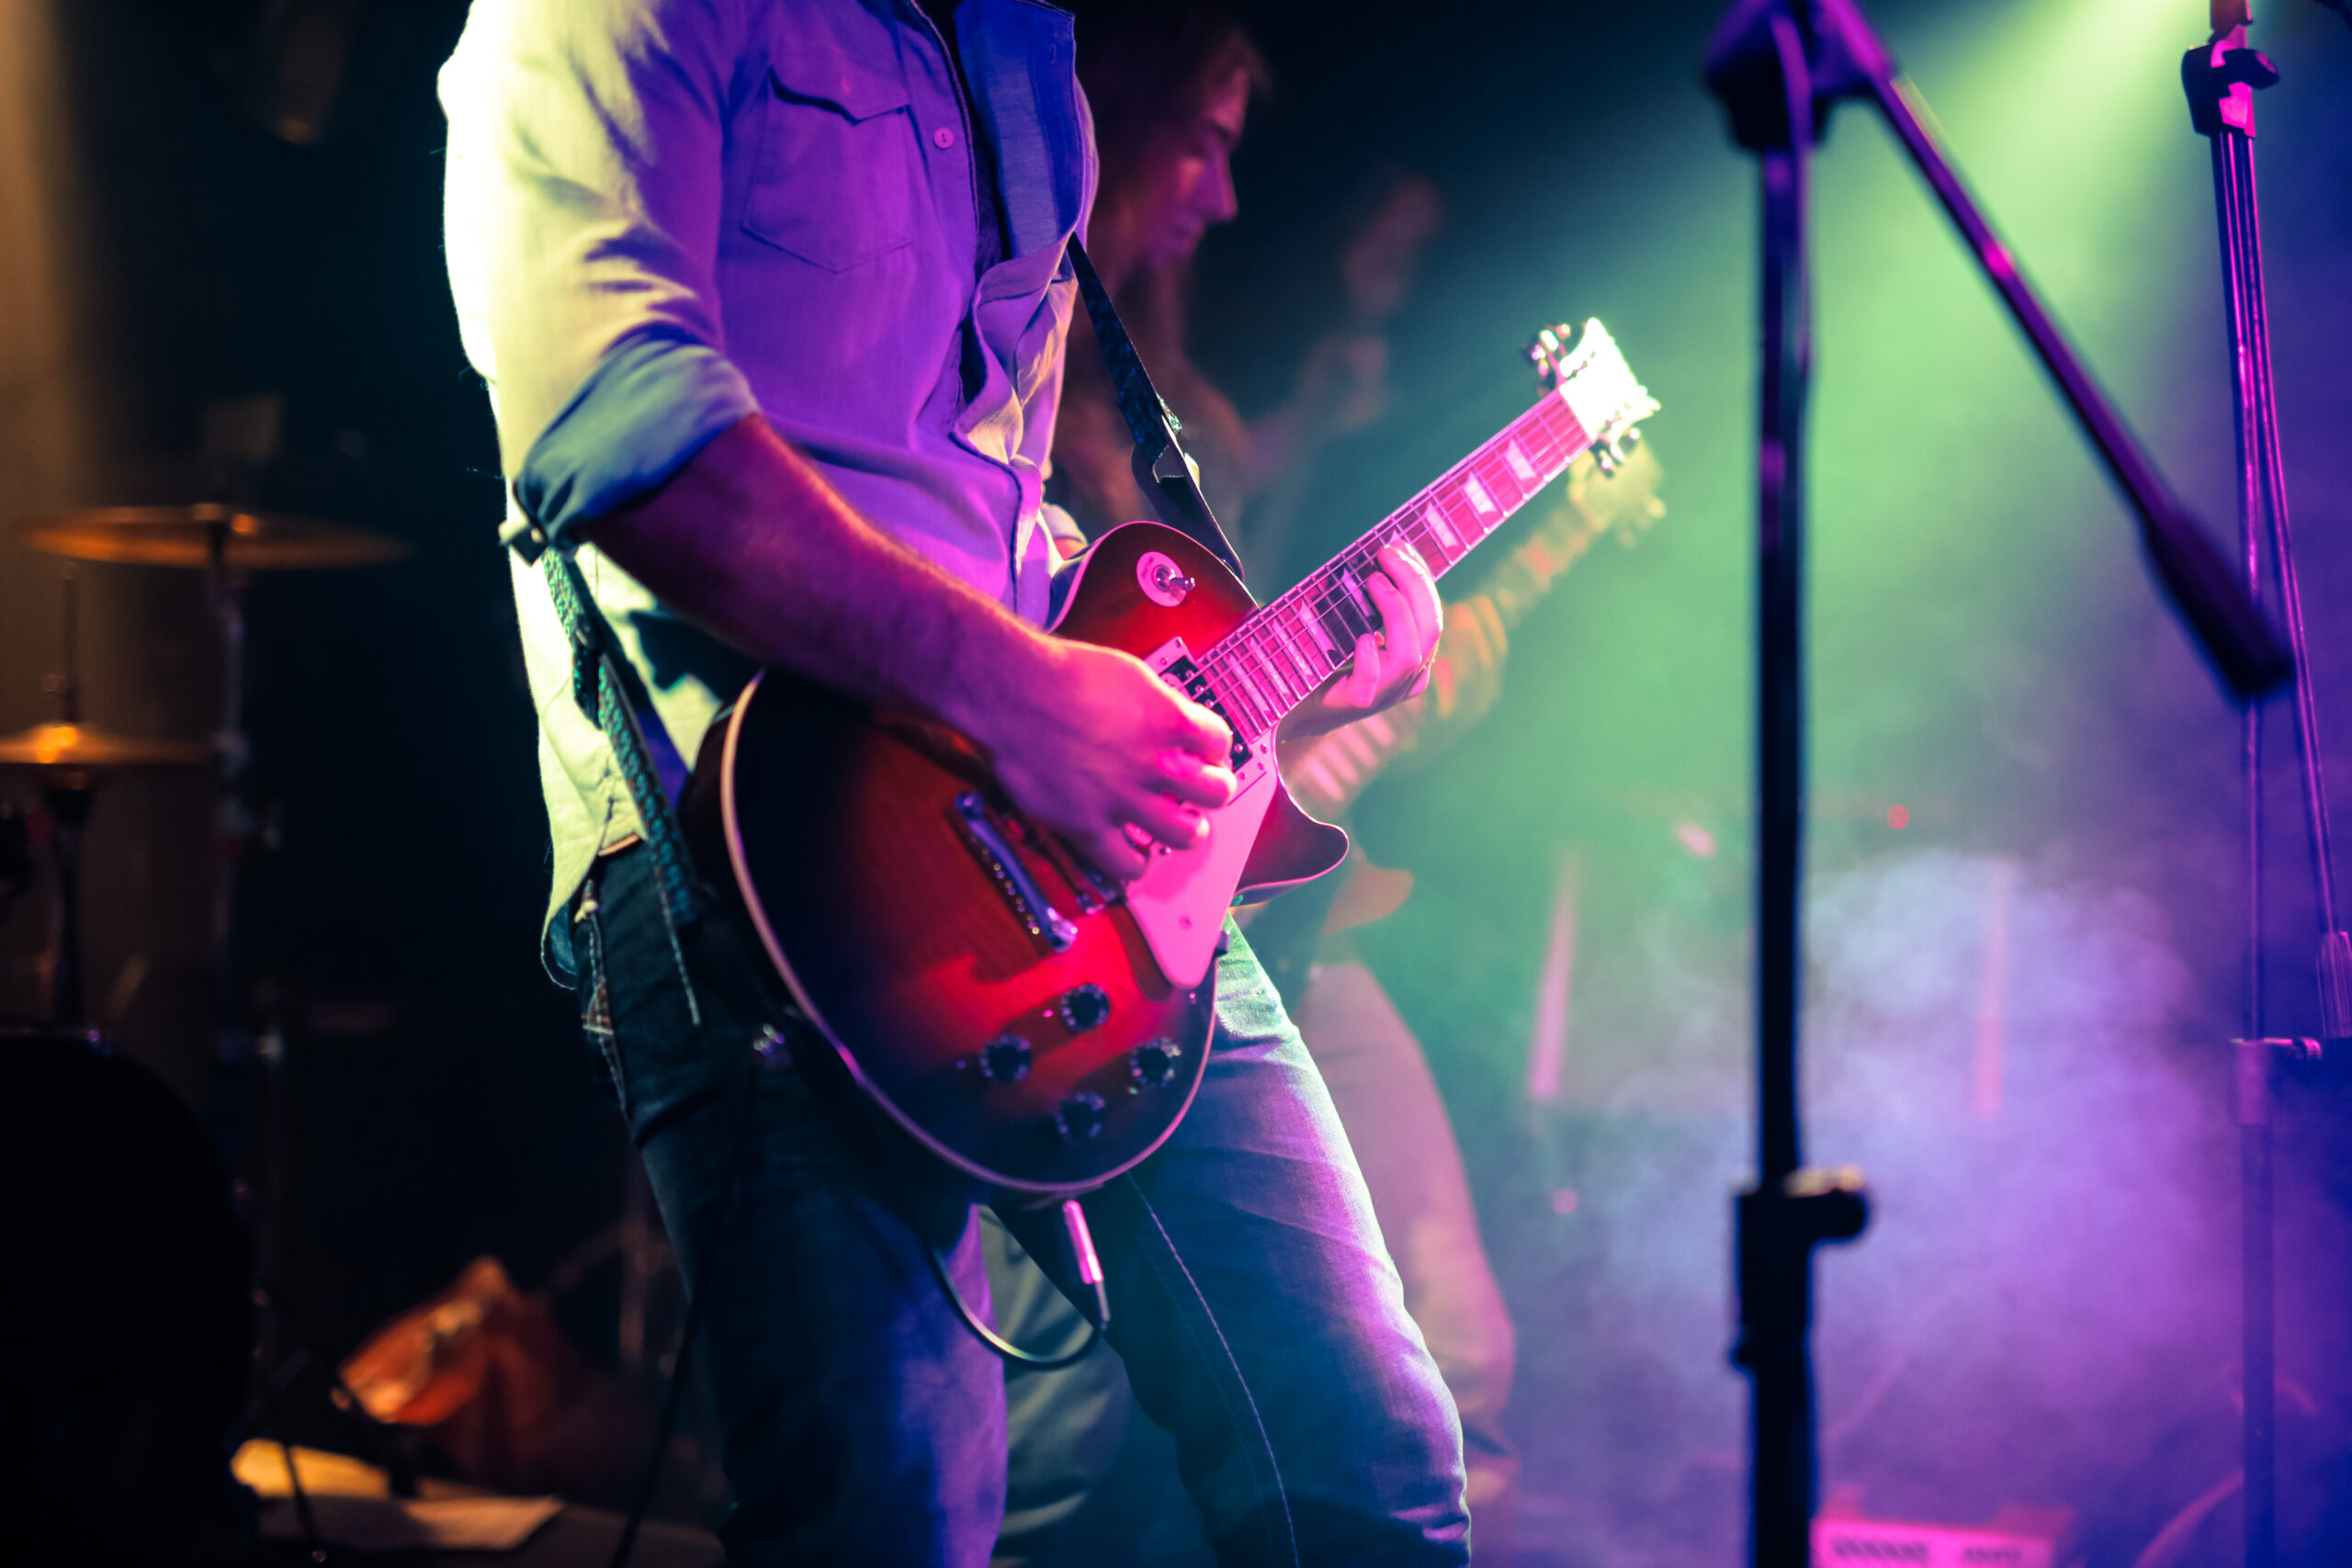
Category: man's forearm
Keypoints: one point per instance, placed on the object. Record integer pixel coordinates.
(748, 541)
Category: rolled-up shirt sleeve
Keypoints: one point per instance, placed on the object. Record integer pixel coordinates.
(582, 220)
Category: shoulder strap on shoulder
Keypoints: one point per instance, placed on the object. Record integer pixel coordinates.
(1165, 475)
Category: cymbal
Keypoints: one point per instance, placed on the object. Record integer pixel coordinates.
(183, 536)
(86, 747)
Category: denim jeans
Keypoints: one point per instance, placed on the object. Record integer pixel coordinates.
(1254, 1308)
(1087, 1484)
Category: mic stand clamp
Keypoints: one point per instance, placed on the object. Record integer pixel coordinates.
(1778, 1225)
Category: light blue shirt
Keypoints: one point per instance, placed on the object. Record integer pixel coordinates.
(663, 214)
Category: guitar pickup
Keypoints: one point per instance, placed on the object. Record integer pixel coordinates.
(998, 858)
(1173, 664)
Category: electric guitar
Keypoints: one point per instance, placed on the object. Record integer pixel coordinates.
(1030, 1022)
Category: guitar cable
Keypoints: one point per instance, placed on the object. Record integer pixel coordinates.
(1090, 1272)
(768, 1050)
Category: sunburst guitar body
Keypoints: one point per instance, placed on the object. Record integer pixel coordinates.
(1032, 1024)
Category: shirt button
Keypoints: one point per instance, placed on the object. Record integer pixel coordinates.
(942, 138)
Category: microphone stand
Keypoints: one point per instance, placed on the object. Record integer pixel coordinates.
(1778, 67)
(2221, 78)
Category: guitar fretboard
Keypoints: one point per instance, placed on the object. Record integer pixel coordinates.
(1281, 655)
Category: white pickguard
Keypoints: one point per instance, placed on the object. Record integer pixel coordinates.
(1181, 902)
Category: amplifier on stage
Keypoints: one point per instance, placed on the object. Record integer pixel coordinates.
(2017, 1538)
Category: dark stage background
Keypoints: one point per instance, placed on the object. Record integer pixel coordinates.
(2044, 1313)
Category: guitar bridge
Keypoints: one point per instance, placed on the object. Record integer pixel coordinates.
(1093, 891)
(997, 856)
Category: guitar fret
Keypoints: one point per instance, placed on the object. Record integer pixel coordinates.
(1321, 632)
(1228, 702)
(1442, 528)
(1270, 672)
(1262, 719)
(1275, 679)
(1262, 711)
(1502, 481)
(1289, 641)
(1552, 423)
(1417, 532)
(1344, 606)
(1545, 453)
(1465, 517)
(1341, 621)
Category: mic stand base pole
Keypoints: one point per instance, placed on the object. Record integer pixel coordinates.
(1760, 64)
(2256, 1302)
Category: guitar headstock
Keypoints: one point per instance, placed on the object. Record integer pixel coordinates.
(1592, 378)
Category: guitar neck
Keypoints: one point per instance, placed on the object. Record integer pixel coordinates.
(1275, 659)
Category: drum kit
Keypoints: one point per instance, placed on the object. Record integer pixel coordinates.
(68, 759)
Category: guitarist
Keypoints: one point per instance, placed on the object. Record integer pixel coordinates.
(769, 296)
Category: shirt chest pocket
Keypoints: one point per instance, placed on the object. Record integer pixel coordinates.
(839, 180)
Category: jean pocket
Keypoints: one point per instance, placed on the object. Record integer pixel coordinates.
(594, 987)
(839, 179)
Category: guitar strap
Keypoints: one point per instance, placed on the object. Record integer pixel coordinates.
(1168, 477)
(607, 688)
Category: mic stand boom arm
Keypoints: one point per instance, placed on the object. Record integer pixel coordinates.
(1847, 59)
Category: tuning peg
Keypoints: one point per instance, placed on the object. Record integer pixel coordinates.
(1546, 352)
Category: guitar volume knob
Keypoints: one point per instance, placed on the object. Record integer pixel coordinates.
(1005, 1059)
(1083, 1008)
(1153, 1062)
(1079, 1118)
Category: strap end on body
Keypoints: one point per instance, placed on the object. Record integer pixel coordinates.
(525, 539)
(1174, 465)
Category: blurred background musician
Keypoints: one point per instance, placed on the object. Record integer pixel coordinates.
(1171, 86)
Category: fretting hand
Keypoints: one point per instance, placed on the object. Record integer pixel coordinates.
(1391, 664)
